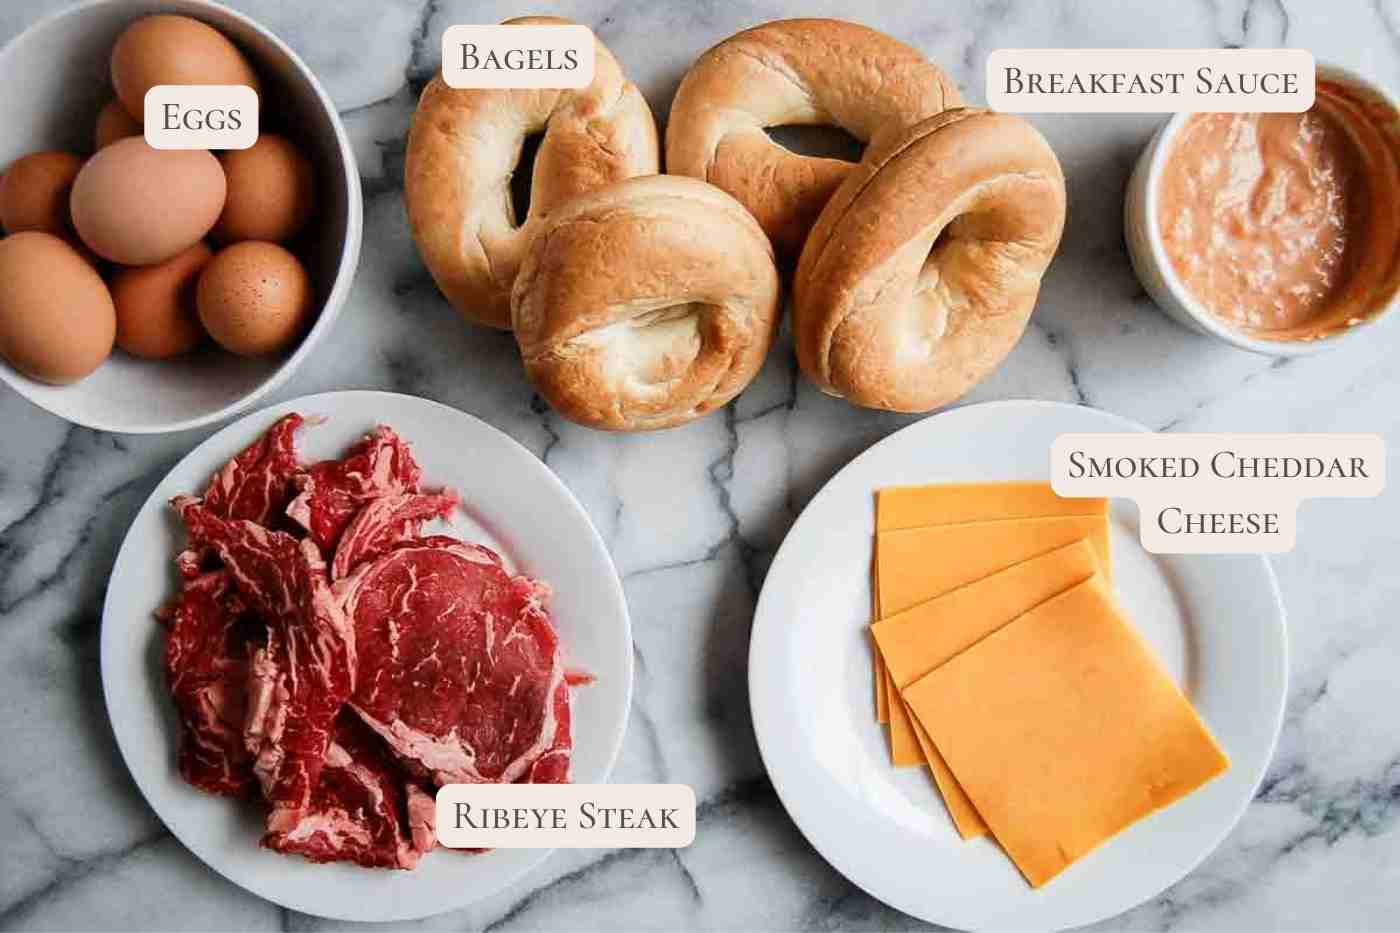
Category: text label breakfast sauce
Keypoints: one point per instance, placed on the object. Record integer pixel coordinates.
(1276, 222)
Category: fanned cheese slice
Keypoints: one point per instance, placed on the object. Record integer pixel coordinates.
(926, 636)
(882, 696)
(899, 507)
(903, 507)
(1064, 729)
(918, 564)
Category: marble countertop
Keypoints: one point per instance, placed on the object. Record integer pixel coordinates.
(694, 515)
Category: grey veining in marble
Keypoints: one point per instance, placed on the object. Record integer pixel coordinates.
(693, 516)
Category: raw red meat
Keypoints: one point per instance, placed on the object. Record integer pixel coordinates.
(256, 485)
(339, 692)
(207, 646)
(384, 523)
(553, 766)
(331, 492)
(364, 810)
(306, 671)
(459, 666)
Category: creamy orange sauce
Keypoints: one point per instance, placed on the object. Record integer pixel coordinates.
(1264, 216)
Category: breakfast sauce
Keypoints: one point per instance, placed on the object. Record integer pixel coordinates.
(1264, 215)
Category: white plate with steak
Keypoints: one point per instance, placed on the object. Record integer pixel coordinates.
(331, 608)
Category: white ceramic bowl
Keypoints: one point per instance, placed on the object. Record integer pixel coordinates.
(57, 73)
(1154, 268)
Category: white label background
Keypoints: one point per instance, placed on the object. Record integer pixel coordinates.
(1145, 62)
(1209, 493)
(568, 798)
(499, 40)
(201, 97)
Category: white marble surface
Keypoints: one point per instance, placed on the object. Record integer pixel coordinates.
(694, 515)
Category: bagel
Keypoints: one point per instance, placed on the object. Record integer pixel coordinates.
(921, 273)
(645, 304)
(465, 144)
(794, 72)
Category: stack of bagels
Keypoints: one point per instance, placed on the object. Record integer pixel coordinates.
(642, 301)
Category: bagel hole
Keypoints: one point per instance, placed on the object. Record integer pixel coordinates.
(656, 346)
(521, 180)
(818, 141)
(935, 250)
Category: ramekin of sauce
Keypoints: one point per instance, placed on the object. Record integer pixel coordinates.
(1276, 232)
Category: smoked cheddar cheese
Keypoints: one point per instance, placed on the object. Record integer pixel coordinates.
(1063, 729)
(919, 564)
(899, 507)
(906, 507)
(920, 639)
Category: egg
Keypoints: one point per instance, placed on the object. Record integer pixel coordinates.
(136, 205)
(254, 298)
(156, 312)
(34, 192)
(271, 191)
(57, 320)
(114, 123)
(169, 49)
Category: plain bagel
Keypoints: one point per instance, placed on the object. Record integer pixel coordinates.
(465, 144)
(794, 72)
(921, 273)
(645, 304)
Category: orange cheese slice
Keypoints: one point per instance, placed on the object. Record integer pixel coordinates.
(1063, 729)
(904, 507)
(924, 637)
(900, 507)
(882, 696)
(918, 564)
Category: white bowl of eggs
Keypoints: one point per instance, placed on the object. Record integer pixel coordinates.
(146, 290)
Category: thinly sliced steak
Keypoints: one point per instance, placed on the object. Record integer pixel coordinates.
(384, 523)
(208, 640)
(459, 667)
(306, 671)
(331, 492)
(365, 809)
(256, 485)
(344, 692)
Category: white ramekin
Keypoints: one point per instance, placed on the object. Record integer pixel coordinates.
(1154, 268)
(57, 70)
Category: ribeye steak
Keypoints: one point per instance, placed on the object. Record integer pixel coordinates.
(208, 640)
(364, 809)
(459, 665)
(305, 672)
(329, 493)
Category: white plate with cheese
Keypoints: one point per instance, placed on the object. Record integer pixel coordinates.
(1216, 623)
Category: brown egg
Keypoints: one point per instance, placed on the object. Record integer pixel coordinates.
(57, 321)
(168, 49)
(255, 298)
(114, 123)
(136, 205)
(34, 192)
(156, 312)
(271, 191)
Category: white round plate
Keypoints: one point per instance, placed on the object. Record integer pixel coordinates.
(1217, 623)
(513, 503)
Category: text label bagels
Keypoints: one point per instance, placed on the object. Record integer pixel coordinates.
(646, 304)
(463, 147)
(921, 273)
(794, 72)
